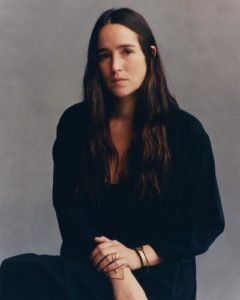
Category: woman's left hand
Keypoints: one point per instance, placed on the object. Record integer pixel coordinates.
(102, 256)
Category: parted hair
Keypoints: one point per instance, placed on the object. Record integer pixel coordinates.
(148, 161)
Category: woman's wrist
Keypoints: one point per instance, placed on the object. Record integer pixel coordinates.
(123, 274)
(136, 260)
(143, 257)
(147, 256)
(128, 288)
(119, 274)
(152, 257)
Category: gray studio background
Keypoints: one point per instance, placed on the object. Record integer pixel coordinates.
(42, 57)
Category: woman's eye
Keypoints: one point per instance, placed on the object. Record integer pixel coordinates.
(128, 51)
(103, 56)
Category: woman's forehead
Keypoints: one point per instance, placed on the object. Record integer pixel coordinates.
(113, 36)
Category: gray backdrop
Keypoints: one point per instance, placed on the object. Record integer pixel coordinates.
(42, 57)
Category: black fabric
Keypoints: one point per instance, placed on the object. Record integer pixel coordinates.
(180, 225)
(44, 277)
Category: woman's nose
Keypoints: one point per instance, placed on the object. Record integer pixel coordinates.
(116, 63)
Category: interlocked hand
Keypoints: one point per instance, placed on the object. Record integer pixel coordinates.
(110, 255)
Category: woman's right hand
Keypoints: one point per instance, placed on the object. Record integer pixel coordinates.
(127, 288)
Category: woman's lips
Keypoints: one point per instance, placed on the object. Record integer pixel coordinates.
(118, 80)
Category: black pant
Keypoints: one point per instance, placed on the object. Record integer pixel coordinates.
(45, 277)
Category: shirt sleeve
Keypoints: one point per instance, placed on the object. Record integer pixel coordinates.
(74, 217)
(203, 220)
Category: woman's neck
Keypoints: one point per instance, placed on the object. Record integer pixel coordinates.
(124, 109)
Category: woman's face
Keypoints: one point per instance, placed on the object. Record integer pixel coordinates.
(121, 61)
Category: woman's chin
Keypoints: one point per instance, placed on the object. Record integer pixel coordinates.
(122, 95)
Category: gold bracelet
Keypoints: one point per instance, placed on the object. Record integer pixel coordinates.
(141, 254)
(140, 257)
(119, 273)
(148, 264)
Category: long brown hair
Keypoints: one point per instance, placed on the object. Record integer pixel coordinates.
(148, 158)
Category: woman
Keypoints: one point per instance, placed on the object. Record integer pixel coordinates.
(134, 190)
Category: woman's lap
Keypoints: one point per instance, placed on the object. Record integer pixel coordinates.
(45, 277)
(38, 277)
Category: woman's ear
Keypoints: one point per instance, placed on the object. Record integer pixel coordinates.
(154, 50)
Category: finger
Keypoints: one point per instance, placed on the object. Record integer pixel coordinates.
(104, 254)
(114, 265)
(101, 238)
(100, 248)
(107, 260)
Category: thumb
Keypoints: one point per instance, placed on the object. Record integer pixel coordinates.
(100, 239)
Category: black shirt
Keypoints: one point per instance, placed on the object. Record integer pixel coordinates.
(181, 225)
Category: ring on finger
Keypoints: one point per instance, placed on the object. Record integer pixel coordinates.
(115, 256)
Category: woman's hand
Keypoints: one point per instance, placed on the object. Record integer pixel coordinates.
(103, 255)
(128, 288)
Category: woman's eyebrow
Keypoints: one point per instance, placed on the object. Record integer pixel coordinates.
(118, 47)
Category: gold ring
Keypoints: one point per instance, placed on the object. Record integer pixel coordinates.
(114, 257)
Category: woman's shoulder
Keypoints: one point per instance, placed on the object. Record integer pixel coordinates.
(74, 121)
(75, 110)
(75, 115)
(185, 123)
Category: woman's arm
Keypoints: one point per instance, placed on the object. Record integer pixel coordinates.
(199, 216)
(128, 288)
(74, 216)
(195, 215)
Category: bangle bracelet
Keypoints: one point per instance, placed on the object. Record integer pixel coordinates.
(141, 254)
(148, 264)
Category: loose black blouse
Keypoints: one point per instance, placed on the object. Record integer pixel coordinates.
(183, 223)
